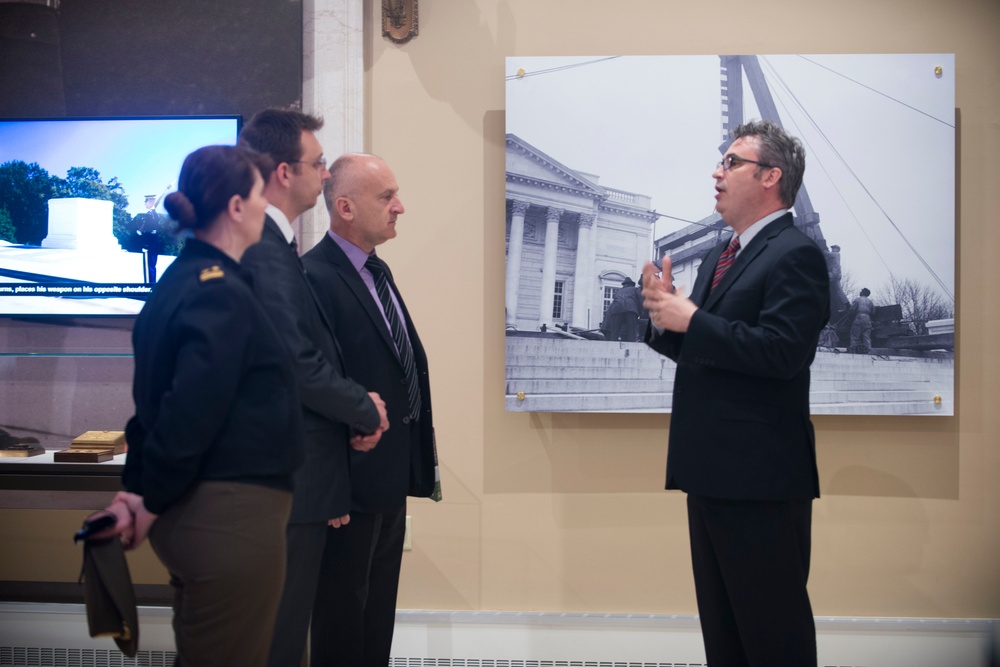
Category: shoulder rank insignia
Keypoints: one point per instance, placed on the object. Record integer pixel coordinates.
(211, 273)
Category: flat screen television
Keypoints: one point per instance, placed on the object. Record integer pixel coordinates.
(82, 227)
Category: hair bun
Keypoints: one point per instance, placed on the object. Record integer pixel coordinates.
(180, 208)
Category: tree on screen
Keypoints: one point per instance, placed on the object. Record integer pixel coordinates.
(86, 182)
(25, 190)
(7, 232)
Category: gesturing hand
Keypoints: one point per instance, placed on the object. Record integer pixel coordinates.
(668, 308)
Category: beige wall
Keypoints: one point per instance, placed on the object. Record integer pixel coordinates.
(563, 512)
(567, 512)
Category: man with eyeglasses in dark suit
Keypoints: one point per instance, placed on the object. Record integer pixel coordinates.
(338, 413)
(742, 444)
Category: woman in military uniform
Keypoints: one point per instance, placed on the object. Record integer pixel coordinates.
(212, 443)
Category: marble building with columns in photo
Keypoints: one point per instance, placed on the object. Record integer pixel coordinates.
(570, 241)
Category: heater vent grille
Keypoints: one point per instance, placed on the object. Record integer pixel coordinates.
(23, 656)
(453, 662)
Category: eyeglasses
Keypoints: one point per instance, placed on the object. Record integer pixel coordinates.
(731, 161)
(318, 164)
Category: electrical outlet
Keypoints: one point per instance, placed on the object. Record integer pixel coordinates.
(408, 536)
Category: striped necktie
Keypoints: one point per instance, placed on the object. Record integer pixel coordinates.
(399, 337)
(726, 260)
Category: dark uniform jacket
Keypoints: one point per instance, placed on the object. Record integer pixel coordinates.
(740, 426)
(214, 390)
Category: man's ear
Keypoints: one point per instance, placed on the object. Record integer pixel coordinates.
(771, 178)
(344, 208)
(283, 174)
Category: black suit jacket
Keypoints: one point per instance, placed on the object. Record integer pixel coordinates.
(332, 402)
(740, 426)
(403, 462)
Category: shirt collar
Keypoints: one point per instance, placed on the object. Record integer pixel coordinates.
(279, 219)
(755, 228)
(356, 255)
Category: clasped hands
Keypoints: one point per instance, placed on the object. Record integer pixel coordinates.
(668, 308)
(364, 443)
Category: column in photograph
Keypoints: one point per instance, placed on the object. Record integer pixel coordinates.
(644, 245)
(583, 273)
(515, 246)
(552, 216)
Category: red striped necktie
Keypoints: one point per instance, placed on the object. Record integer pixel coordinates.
(726, 260)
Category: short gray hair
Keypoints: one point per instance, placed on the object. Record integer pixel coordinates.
(778, 149)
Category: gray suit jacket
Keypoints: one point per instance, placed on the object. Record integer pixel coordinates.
(333, 404)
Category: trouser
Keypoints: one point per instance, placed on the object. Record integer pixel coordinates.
(751, 564)
(861, 334)
(355, 611)
(306, 543)
(224, 546)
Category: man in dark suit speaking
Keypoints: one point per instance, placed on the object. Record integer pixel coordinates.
(336, 409)
(383, 352)
(741, 441)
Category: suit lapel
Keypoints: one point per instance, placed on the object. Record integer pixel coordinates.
(353, 280)
(272, 234)
(757, 245)
(411, 331)
(703, 282)
(277, 237)
(271, 227)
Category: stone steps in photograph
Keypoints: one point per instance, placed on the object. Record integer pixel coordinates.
(559, 374)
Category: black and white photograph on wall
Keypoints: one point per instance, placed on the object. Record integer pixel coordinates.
(609, 164)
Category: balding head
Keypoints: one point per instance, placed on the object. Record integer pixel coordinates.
(362, 197)
(345, 176)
